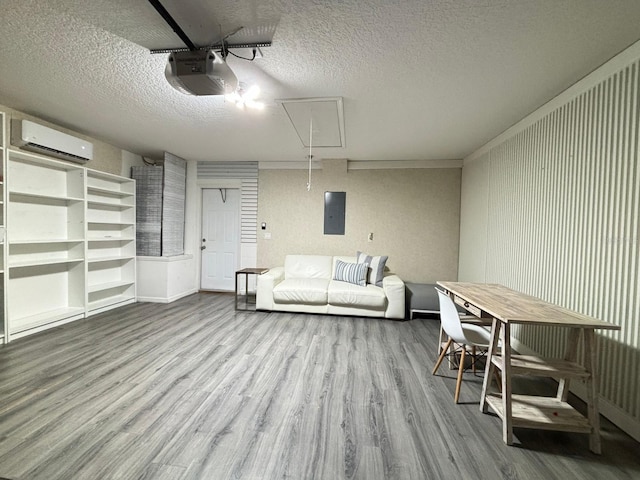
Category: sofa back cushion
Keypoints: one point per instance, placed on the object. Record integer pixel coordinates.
(308, 266)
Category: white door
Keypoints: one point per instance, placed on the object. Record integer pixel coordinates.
(220, 238)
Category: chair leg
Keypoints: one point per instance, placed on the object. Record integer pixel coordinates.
(441, 357)
(460, 371)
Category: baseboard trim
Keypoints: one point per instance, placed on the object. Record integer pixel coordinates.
(168, 299)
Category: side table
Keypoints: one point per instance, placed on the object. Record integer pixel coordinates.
(247, 296)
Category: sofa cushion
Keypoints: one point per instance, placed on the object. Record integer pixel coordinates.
(348, 294)
(355, 273)
(376, 267)
(311, 291)
(308, 266)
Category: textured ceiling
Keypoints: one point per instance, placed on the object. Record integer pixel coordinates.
(421, 79)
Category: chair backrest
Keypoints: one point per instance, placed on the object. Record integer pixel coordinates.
(450, 318)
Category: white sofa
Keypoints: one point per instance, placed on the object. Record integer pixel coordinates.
(305, 284)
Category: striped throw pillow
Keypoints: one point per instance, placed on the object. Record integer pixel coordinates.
(351, 272)
(376, 267)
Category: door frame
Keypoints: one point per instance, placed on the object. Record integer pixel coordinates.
(203, 184)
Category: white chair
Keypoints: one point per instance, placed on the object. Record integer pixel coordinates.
(461, 336)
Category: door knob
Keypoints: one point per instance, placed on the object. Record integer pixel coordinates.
(203, 247)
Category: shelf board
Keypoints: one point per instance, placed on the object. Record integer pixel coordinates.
(107, 286)
(45, 241)
(111, 258)
(107, 176)
(121, 206)
(119, 224)
(110, 239)
(542, 367)
(57, 198)
(52, 261)
(33, 321)
(543, 413)
(108, 191)
(26, 157)
(105, 302)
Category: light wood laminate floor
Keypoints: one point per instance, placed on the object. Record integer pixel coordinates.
(196, 390)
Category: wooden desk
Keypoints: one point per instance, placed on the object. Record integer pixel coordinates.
(507, 307)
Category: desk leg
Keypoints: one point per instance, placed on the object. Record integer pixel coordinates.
(489, 367)
(570, 355)
(236, 297)
(590, 362)
(507, 424)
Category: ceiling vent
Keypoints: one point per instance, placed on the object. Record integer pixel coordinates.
(41, 139)
(200, 72)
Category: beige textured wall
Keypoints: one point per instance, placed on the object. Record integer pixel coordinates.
(414, 215)
(106, 157)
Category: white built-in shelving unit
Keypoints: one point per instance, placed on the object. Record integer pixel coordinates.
(3, 151)
(70, 241)
(45, 266)
(111, 240)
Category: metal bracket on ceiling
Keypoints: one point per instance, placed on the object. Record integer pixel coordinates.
(213, 47)
(190, 46)
(166, 16)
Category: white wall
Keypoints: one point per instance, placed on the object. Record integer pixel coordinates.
(129, 160)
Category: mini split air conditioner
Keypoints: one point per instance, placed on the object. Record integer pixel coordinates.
(41, 139)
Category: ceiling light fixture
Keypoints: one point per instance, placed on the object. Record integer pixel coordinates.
(244, 99)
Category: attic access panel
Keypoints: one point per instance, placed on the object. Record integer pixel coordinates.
(326, 115)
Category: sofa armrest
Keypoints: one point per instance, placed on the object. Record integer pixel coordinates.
(393, 287)
(264, 287)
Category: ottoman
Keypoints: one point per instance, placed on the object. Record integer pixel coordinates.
(423, 298)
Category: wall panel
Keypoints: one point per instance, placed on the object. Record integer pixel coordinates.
(562, 222)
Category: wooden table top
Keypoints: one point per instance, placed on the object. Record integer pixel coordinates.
(511, 306)
(256, 271)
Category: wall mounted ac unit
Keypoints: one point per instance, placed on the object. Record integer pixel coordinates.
(41, 139)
